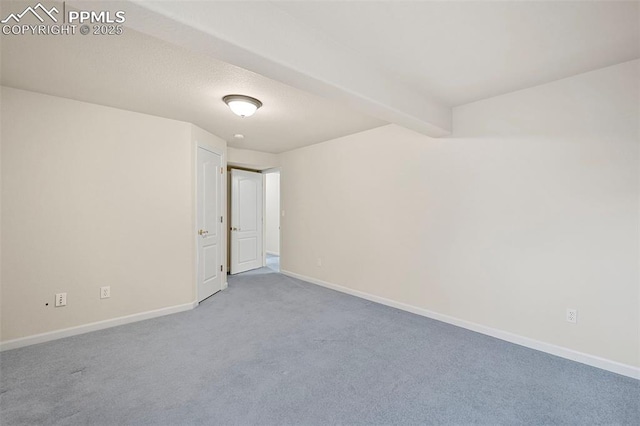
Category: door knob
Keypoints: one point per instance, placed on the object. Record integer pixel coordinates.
(202, 232)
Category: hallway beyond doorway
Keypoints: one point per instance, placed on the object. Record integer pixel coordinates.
(273, 262)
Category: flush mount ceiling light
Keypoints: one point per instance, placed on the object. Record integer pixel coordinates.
(244, 106)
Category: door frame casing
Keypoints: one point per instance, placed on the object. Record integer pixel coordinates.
(264, 172)
(223, 212)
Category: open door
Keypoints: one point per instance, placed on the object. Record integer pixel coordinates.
(209, 216)
(246, 221)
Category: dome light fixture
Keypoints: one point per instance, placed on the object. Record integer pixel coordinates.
(241, 105)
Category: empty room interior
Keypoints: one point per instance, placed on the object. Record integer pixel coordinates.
(320, 212)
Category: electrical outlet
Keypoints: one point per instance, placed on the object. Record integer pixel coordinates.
(572, 315)
(105, 292)
(319, 262)
(61, 299)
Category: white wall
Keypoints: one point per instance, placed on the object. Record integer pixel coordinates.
(531, 208)
(272, 213)
(93, 196)
(250, 159)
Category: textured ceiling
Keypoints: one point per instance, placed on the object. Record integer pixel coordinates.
(460, 52)
(141, 73)
(405, 62)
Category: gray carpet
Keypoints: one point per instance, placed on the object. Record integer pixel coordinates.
(272, 350)
(273, 265)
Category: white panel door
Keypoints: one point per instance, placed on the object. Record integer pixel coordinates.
(208, 220)
(246, 221)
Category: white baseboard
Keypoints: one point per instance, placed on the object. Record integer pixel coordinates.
(592, 360)
(273, 253)
(225, 285)
(94, 326)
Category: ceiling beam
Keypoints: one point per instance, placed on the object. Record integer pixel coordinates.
(262, 38)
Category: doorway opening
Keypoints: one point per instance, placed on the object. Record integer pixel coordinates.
(272, 220)
(254, 220)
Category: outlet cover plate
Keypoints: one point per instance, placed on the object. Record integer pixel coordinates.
(61, 299)
(105, 292)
